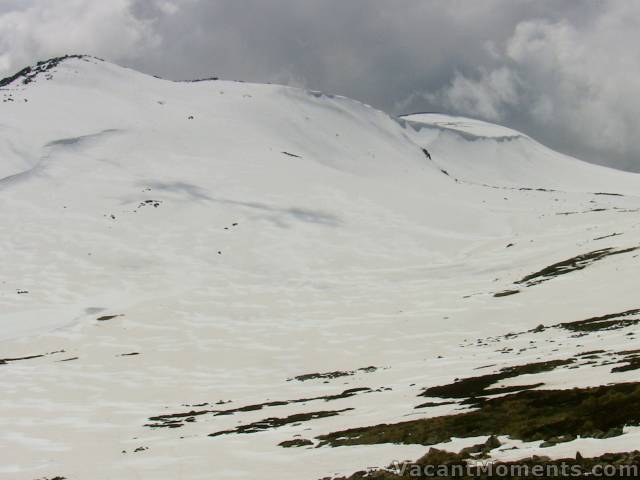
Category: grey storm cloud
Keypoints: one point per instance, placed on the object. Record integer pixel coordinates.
(564, 72)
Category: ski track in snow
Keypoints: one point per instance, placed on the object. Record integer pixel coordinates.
(240, 235)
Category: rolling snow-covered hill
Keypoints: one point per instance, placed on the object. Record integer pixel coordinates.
(195, 272)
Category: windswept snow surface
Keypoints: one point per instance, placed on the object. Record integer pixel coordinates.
(239, 235)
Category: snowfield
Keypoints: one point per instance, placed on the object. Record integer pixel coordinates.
(186, 247)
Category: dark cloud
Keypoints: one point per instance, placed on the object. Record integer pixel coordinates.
(563, 71)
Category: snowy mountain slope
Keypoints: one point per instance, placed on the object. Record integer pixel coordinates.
(171, 247)
(87, 167)
(479, 152)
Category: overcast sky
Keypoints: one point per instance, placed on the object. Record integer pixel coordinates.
(565, 72)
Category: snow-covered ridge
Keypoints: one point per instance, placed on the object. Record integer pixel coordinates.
(468, 126)
(29, 74)
(474, 149)
(79, 96)
(483, 153)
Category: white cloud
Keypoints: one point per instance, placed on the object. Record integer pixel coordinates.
(167, 7)
(483, 97)
(576, 84)
(46, 28)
